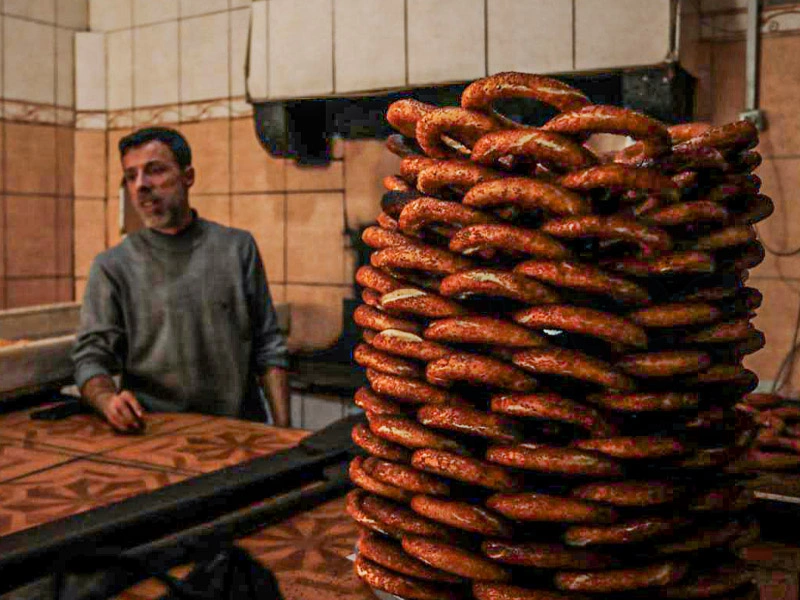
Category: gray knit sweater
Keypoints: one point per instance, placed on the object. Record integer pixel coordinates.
(186, 319)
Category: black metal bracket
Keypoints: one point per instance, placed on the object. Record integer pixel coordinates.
(303, 129)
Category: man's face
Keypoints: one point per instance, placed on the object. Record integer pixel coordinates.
(157, 186)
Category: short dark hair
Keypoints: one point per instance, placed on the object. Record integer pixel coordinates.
(171, 138)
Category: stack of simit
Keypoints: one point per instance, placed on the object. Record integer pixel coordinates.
(777, 445)
(553, 342)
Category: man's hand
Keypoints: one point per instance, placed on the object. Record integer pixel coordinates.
(122, 411)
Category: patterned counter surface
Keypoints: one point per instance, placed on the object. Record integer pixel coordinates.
(53, 469)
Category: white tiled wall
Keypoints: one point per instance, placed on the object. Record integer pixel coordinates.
(300, 54)
(369, 45)
(621, 33)
(533, 36)
(201, 7)
(147, 12)
(165, 52)
(37, 45)
(72, 14)
(90, 79)
(155, 64)
(65, 67)
(41, 10)
(258, 77)
(204, 57)
(29, 61)
(446, 41)
(107, 15)
(240, 23)
(119, 62)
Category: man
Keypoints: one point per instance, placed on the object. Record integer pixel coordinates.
(181, 308)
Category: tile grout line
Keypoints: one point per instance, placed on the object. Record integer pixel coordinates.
(57, 157)
(573, 35)
(3, 169)
(333, 49)
(405, 36)
(228, 66)
(486, 37)
(42, 470)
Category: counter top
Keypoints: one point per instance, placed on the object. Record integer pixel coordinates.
(53, 469)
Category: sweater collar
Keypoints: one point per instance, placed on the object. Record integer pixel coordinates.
(184, 240)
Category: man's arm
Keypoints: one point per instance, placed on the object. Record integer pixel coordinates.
(96, 353)
(276, 388)
(269, 344)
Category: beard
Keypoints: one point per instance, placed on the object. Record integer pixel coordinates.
(168, 214)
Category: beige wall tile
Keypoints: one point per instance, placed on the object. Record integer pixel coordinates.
(366, 163)
(337, 147)
(306, 178)
(779, 86)
(155, 67)
(65, 234)
(90, 71)
(72, 13)
(198, 7)
(621, 33)
(65, 67)
(298, 69)
(90, 164)
(213, 208)
(369, 45)
(113, 165)
(30, 292)
(113, 235)
(2, 161)
(119, 45)
(30, 236)
(30, 158)
(146, 12)
(775, 318)
(781, 231)
(240, 25)
(446, 41)
(29, 61)
(204, 58)
(314, 239)
(3, 233)
(39, 10)
(80, 286)
(264, 217)
(258, 79)
(727, 81)
(65, 160)
(210, 142)
(316, 315)
(533, 36)
(253, 168)
(65, 289)
(90, 233)
(277, 291)
(105, 15)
